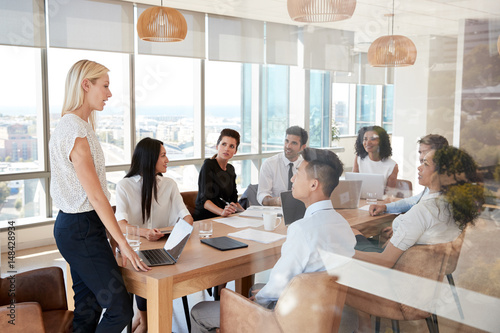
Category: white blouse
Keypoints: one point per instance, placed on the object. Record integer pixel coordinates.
(65, 188)
(428, 222)
(384, 167)
(164, 213)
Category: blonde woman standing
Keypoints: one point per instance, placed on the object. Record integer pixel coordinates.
(78, 188)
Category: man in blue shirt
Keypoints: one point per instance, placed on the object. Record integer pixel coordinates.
(322, 228)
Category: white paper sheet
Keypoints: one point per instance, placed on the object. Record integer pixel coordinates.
(265, 237)
(180, 230)
(365, 208)
(256, 211)
(240, 222)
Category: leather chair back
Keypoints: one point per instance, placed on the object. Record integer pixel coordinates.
(456, 248)
(404, 188)
(41, 304)
(189, 198)
(427, 261)
(44, 286)
(312, 302)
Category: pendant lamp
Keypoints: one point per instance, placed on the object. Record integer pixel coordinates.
(392, 50)
(315, 11)
(161, 24)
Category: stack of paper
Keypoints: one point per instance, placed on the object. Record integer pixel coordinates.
(257, 235)
(256, 211)
(240, 222)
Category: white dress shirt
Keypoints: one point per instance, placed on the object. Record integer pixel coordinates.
(273, 176)
(164, 213)
(321, 228)
(428, 222)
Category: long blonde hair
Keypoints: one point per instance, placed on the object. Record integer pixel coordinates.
(73, 92)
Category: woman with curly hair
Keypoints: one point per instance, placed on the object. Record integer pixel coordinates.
(454, 201)
(373, 152)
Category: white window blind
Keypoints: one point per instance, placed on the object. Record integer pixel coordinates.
(281, 44)
(193, 46)
(234, 39)
(327, 49)
(92, 25)
(363, 73)
(22, 23)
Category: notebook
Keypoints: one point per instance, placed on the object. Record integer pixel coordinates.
(346, 194)
(171, 251)
(293, 209)
(371, 183)
(224, 243)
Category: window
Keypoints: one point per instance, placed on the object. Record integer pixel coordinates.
(275, 106)
(366, 105)
(166, 96)
(21, 121)
(341, 104)
(114, 120)
(223, 101)
(319, 109)
(388, 108)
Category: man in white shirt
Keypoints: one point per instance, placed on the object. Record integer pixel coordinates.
(276, 172)
(322, 228)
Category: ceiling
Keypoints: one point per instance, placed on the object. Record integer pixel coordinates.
(412, 17)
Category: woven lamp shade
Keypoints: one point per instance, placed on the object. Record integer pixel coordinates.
(161, 24)
(392, 51)
(320, 10)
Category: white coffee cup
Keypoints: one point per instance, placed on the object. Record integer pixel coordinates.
(271, 220)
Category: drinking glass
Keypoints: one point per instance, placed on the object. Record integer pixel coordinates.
(133, 237)
(206, 229)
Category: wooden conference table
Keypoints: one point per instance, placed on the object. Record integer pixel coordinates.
(201, 267)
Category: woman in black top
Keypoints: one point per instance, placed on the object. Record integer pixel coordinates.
(217, 180)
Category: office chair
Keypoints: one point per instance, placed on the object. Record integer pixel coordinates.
(312, 302)
(41, 304)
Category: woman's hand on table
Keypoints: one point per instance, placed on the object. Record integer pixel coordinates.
(228, 210)
(127, 253)
(153, 235)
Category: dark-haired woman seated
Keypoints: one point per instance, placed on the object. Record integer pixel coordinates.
(373, 154)
(217, 180)
(147, 199)
(454, 201)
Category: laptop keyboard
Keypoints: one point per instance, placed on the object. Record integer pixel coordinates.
(156, 256)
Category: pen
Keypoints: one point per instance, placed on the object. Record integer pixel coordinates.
(224, 201)
(228, 203)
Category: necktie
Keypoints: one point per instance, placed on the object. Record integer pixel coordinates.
(290, 175)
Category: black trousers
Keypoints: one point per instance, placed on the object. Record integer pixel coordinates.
(97, 281)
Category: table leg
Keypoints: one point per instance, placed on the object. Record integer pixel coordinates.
(243, 285)
(69, 289)
(160, 306)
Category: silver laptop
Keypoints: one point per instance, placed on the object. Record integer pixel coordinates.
(346, 194)
(371, 183)
(293, 209)
(171, 251)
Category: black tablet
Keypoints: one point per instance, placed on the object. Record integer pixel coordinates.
(223, 243)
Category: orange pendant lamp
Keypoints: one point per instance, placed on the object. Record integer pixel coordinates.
(161, 24)
(392, 50)
(314, 11)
